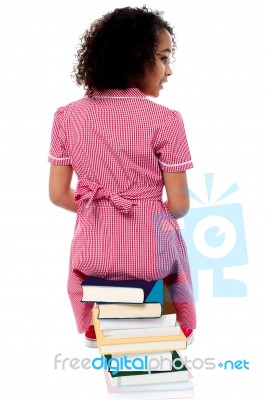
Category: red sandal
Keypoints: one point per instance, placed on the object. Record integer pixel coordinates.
(189, 333)
(90, 337)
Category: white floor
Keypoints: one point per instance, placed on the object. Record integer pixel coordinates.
(219, 87)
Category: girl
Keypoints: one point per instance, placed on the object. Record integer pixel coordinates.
(124, 148)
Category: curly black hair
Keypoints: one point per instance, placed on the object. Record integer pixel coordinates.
(119, 47)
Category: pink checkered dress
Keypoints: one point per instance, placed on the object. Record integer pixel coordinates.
(117, 142)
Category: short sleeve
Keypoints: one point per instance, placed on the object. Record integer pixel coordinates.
(171, 146)
(58, 153)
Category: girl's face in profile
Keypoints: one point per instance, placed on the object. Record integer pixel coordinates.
(154, 79)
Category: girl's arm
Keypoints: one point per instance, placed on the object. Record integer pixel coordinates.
(60, 192)
(177, 193)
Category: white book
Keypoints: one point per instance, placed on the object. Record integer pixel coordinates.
(174, 390)
(123, 310)
(164, 377)
(183, 385)
(143, 347)
(168, 320)
(142, 332)
(159, 395)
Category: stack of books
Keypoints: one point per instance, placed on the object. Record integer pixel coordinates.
(140, 344)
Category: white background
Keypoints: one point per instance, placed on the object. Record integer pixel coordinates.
(220, 88)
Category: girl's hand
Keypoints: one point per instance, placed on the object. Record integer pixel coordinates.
(177, 193)
(60, 192)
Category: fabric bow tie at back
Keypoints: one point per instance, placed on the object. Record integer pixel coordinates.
(89, 191)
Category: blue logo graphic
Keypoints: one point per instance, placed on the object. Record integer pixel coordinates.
(215, 239)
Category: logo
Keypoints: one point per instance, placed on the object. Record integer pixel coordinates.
(215, 238)
(146, 363)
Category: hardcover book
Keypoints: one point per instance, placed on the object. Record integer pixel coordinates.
(179, 372)
(123, 310)
(122, 291)
(155, 391)
(136, 344)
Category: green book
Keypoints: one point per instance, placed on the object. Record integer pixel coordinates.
(179, 372)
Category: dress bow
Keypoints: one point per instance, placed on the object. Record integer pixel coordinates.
(88, 191)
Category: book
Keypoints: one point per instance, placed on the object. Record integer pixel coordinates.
(139, 361)
(136, 344)
(168, 306)
(122, 291)
(142, 332)
(122, 310)
(168, 320)
(171, 386)
(179, 372)
(150, 392)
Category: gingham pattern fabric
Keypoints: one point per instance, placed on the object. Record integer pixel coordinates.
(118, 142)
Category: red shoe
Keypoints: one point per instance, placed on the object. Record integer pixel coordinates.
(90, 337)
(189, 333)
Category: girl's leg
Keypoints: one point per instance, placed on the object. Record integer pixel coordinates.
(82, 310)
(181, 296)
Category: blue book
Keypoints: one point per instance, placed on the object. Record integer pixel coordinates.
(99, 290)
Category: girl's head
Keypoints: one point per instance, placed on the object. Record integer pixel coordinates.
(129, 47)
